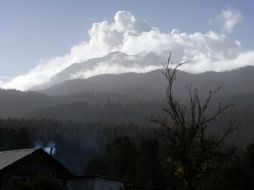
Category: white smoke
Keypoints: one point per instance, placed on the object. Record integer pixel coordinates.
(49, 147)
(206, 51)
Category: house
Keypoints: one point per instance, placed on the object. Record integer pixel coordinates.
(94, 182)
(26, 164)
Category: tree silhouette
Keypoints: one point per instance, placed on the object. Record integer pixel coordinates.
(195, 153)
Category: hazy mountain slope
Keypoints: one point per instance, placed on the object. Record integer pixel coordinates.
(152, 84)
(125, 88)
(116, 62)
(136, 112)
(15, 103)
(131, 84)
(142, 111)
(115, 58)
(93, 98)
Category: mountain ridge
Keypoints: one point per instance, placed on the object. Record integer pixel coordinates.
(153, 84)
(114, 62)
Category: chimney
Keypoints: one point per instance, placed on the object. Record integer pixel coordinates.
(51, 151)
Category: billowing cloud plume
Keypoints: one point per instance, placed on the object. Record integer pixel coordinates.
(229, 18)
(206, 51)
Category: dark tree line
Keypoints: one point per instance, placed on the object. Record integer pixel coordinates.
(126, 151)
(140, 162)
(146, 165)
(14, 138)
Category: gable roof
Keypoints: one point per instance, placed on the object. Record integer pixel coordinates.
(9, 157)
(100, 177)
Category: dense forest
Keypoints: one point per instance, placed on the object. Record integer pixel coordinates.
(112, 134)
(137, 153)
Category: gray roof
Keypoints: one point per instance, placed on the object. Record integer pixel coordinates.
(9, 157)
(99, 176)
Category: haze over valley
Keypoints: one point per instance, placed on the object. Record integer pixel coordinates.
(159, 94)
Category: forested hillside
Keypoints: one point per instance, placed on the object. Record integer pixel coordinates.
(94, 128)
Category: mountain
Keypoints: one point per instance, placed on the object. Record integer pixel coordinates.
(127, 98)
(93, 98)
(109, 112)
(136, 76)
(152, 85)
(125, 88)
(15, 103)
(139, 112)
(115, 62)
(131, 84)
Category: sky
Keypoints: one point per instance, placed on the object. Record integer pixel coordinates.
(39, 37)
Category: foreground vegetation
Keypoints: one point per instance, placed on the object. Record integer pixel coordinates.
(184, 147)
(136, 153)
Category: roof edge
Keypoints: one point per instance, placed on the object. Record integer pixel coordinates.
(24, 149)
(99, 176)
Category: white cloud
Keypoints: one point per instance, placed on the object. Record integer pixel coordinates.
(113, 68)
(243, 59)
(207, 51)
(229, 18)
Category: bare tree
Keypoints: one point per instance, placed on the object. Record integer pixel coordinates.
(196, 153)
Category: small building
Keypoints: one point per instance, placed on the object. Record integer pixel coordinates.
(94, 182)
(26, 164)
